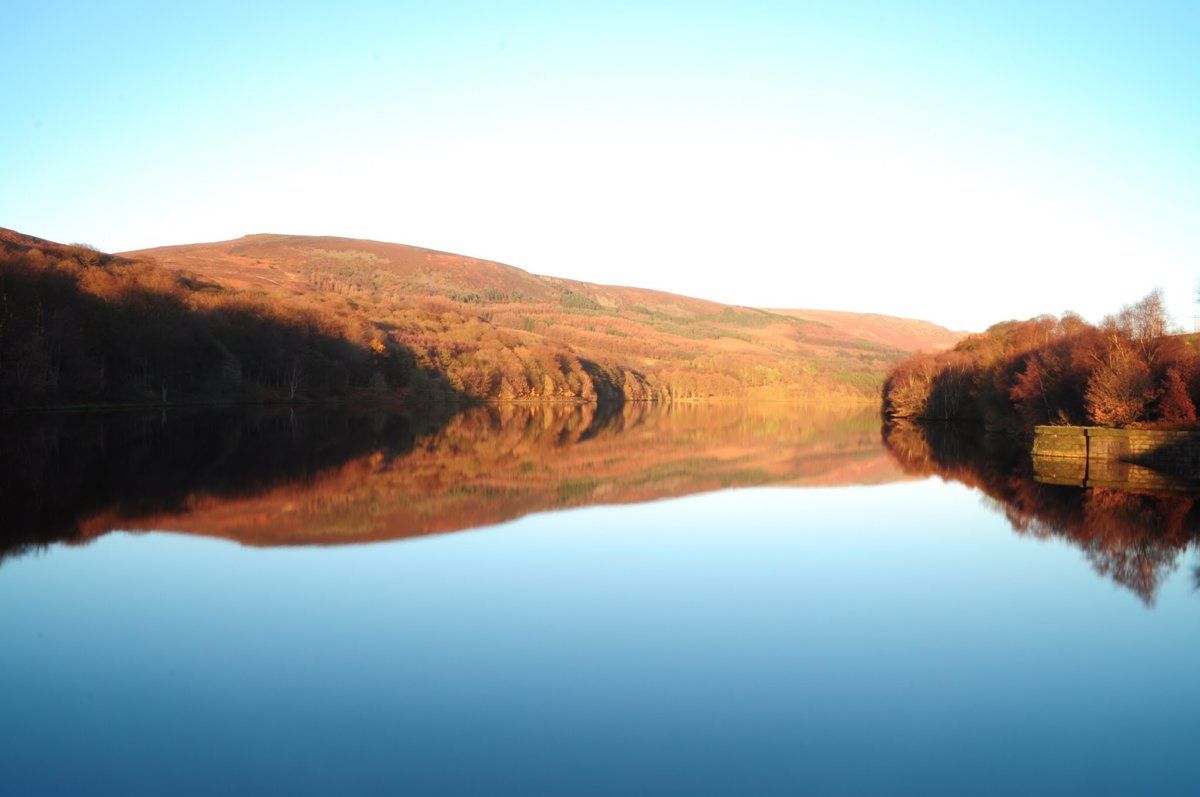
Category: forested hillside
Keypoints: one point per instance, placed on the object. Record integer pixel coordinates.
(79, 326)
(292, 318)
(498, 331)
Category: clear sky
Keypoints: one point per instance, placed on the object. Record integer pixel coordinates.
(962, 162)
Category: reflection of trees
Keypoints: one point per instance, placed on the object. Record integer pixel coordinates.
(283, 477)
(1133, 537)
(58, 470)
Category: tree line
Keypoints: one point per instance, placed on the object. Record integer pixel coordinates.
(80, 327)
(1126, 370)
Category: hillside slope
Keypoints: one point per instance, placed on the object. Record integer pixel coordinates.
(497, 331)
(906, 334)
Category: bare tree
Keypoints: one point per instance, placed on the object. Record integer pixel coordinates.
(1144, 320)
(1119, 389)
(295, 377)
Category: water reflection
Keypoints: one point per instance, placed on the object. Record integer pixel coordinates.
(288, 477)
(1134, 536)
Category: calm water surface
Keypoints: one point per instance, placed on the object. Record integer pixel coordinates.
(693, 600)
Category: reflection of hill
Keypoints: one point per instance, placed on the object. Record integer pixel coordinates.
(1133, 537)
(60, 472)
(321, 477)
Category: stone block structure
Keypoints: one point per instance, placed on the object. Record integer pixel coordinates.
(1129, 458)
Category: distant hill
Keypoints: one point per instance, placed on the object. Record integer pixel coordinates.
(501, 332)
(278, 317)
(906, 334)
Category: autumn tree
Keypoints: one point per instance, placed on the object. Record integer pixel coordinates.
(1119, 389)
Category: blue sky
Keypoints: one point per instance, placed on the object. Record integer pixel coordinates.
(962, 162)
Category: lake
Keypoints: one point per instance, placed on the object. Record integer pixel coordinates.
(693, 599)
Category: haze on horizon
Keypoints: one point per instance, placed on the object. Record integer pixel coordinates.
(963, 165)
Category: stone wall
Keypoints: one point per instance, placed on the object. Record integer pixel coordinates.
(1060, 441)
(1116, 457)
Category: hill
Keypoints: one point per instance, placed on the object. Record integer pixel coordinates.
(79, 326)
(905, 334)
(272, 317)
(496, 331)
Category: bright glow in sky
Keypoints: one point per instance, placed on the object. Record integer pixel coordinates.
(939, 160)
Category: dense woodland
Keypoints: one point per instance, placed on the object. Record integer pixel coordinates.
(78, 326)
(284, 318)
(1128, 370)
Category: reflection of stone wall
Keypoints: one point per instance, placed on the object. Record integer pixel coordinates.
(1060, 470)
(1115, 473)
(1099, 457)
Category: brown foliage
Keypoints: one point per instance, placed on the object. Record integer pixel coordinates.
(1055, 370)
(1174, 401)
(497, 332)
(1119, 389)
(291, 318)
(78, 326)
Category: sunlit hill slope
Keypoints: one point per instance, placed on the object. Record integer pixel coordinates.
(499, 331)
(270, 317)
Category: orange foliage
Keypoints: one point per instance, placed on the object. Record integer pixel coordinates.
(1055, 370)
(497, 332)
